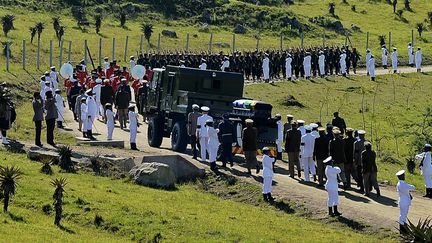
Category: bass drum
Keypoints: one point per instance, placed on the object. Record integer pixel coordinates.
(66, 70)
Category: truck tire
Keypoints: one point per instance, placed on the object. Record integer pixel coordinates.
(179, 137)
(154, 132)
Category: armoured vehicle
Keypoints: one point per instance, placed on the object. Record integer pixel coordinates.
(173, 90)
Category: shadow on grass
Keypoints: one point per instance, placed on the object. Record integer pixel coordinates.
(15, 147)
(351, 223)
(283, 206)
(16, 218)
(65, 229)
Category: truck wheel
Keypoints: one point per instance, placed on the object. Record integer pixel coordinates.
(154, 132)
(179, 137)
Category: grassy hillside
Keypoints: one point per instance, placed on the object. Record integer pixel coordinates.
(140, 214)
(397, 115)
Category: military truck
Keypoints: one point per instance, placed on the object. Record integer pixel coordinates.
(174, 90)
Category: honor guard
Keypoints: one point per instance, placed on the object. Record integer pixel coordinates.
(267, 162)
(426, 168)
(410, 55)
(394, 59)
(192, 128)
(306, 151)
(331, 186)
(418, 59)
(213, 143)
(202, 132)
(60, 104)
(226, 135)
(384, 56)
(266, 68)
(288, 67)
(92, 111)
(404, 201)
(110, 117)
(279, 140)
(133, 126)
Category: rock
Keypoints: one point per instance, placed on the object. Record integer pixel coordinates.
(153, 174)
(222, 45)
(240, 29)
(103, 143)
(183, 169)
(169, 33)
(38, 154)
(124, 164)
(204, 28)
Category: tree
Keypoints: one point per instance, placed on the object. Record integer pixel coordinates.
(122, 18)
(33, 32)
(7, 22)
(394, 5)
(9, 177)
(98, 23)
(59, 185)
(420, 28)
(147, 30)
(56, 25)
(332, 7)
(65, 161)
(39, 28)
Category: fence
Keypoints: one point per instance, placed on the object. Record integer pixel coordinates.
(57, 53)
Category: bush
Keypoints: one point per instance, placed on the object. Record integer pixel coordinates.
(421, 232)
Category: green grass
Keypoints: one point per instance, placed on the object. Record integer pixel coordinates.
(135, 213)
(389, 117)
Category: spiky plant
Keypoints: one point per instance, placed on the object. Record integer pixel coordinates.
(98, 23)
(56, 24)
(147, 30)
(46, 167)
(9, 177)
(39, 29)
(33, 32)
(65, 159)
(420, 232)
(420, 28)
(123, 15)
(7, 23)
(59, 185)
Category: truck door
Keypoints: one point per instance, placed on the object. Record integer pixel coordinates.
(154, 92)
(168, 99)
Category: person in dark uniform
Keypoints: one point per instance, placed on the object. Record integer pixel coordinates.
(226, 138)
(192, 128)
(337, 152)
(50, 117)
(292, 147)
(339, 122)
(370, 170)
(321, 152)
(287, 125)
(355, 57)
(73, 94)
(250, 146)
(38, 109)
(349, 155)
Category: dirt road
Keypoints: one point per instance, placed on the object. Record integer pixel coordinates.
(379, 213)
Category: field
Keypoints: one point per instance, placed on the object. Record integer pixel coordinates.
(134, 213)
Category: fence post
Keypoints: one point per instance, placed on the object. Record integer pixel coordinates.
(51, 54)
(113, 49)
(281, 41)
(234, 43)
(367, 40)
(100, 51)
(390, 39)
(24, 54)
(346, 38)
(211, 42)
(7, 56)
(412, 38)
(61, 54)
(38, 55)
(69, 51)
(302, 39)
(257, 42)
(324, 40)
(158, 43)
(85, 51)
(187, 42)
(126, 48)
(141, 43)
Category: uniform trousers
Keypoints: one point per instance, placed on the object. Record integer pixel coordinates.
(370, 180)
(193, 142)
(38, 127)
(123, 117)
(333, 198)
(428, 180)
(110, 127)
(309, 166)
(403, 213)
(251, 160)
(320, 171)
(293, 159)
(50, 130)
(349, 171)
(267, 184)
(204, 148)
(132, 134)
(212, 150)
(279, 145)
(227, 155)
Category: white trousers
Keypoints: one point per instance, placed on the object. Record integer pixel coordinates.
(132, 135)
(428, 180)
(418, 65)
(307, 70)
(308, 166)
(87, 124)
(395, 66)
(212, 150)
(288, 73)
(279, 145)
(384, 60)
(110, 128)
(333, 198)
(322, 69)
(403, 213)
(204, 148)
(266, 74)
(267, 184)
(60, 115)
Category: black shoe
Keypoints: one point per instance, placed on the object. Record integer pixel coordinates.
(52, 144)
(223, 164)
(265, 197)
(39, 144)
(402, 229)
(378, 193)
(330, 210)
(84, 134)
(299, 174)
(257, 169)
(231, 164)
(249, 173)
(90, 135)
(213, 166)
(270, 198)
(133, 146)
(336, 213)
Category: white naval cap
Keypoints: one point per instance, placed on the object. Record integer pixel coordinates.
(308, 128)
(205, 109)
(195, 106)
(428, 146)
(361, 132)
(329, 159)
(300, 121)
(399, 173)
(210, 120)
(313, 125)
(98, 80)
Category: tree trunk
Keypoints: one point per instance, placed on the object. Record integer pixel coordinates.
(6, 202)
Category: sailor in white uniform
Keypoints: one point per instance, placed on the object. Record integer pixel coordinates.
(418, 59)
(288, 67)
(110, 116)
(426, 168)
(213, 143)
(331, 186)
(306, 151)
(60, 104)
(203, 65)
(394, 59)
(267, 163)
(202, 133)
(384, 56)
(405, 198)
(279, 140)
(266, 68)
(410, 55)
(133, 126)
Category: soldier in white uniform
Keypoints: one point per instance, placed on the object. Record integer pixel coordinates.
(384, 56)
(342, 62)
(133, 126)
(321, 64)
(267, 163)
(307, 65)
(371, 66)
(266, 68)
(306, 152)
(48, 79)
(84, 119)
(410, 55)
(426, 168)
(279, 140)
(394, 59)
(213, 143)
(92, 111)
(60, 104)
(203, 65)
(405, 198)
(331, 186)
(300, 125)
(97, 92)
(106, 65)
(42, 86)
(418, 59)
(54, 78)
(288, 67)
(110, 116)
(314, 132)
(47, 88)
(202, 132)
(132, 62)
(225, 64)
(368, 56)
